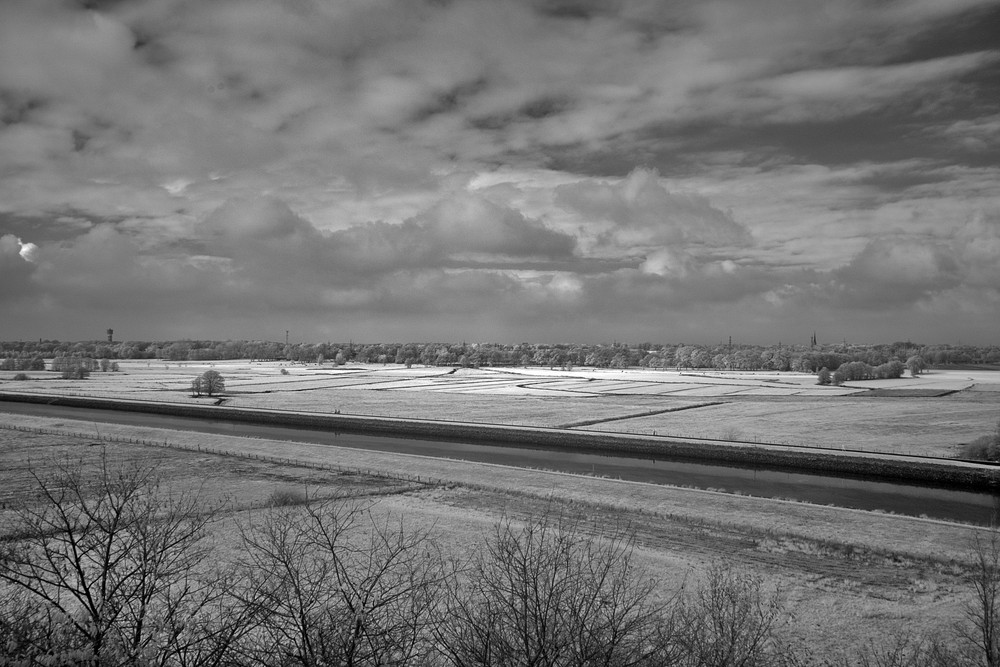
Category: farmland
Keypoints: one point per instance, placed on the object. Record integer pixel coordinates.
(846, 575)
(933, 414)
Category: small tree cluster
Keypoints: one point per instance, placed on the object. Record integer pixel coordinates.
(859, 370)
(75, 373)
(62, 364)
(915, 364)
(209, 383)
(108, 365)
(22, 364)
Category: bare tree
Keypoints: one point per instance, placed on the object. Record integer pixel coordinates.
(547, 594)
(110, 562)
(212, 382)
(332, 584)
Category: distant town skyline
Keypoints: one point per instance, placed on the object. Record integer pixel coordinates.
(533, 170)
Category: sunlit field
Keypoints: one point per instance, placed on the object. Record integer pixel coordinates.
(932, 414)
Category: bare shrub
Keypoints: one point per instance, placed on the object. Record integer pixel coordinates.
(983, 448)
(729, 620)
(732, 433)
(986, 448)
(905, 650)
(28, 629)
(286, 496)
(547, 594)
(332, 584)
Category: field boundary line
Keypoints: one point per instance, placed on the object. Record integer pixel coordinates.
(650, 413)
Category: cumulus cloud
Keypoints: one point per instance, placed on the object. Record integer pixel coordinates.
(262, 241)
(28, 251)
(258, 220)
(900, 274)
(643, 213)
(560, 161)
(892, 273)
(470, 223)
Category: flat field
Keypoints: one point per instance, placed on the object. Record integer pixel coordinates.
(845, 575)
(933, 414)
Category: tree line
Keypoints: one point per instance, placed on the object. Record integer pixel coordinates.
(111, 567)
(724, 356)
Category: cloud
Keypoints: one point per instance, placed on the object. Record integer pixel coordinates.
(900, 274)
(29, 251)
(261, 242)
(470, 223)
(524, 165)
(821, 94)
(892, 273)
(56, 54)
(639, 212)
(977, 134)
(258, 221)
(976, 247)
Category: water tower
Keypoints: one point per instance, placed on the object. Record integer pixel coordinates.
(111, 335)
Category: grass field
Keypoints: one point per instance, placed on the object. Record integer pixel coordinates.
(950, 408)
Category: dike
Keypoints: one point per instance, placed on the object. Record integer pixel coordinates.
(899, 468)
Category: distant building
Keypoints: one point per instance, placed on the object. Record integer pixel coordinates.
(111, 335)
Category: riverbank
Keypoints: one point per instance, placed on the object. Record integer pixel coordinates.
(954, 474)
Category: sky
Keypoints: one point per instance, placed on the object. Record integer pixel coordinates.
(501, 170)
